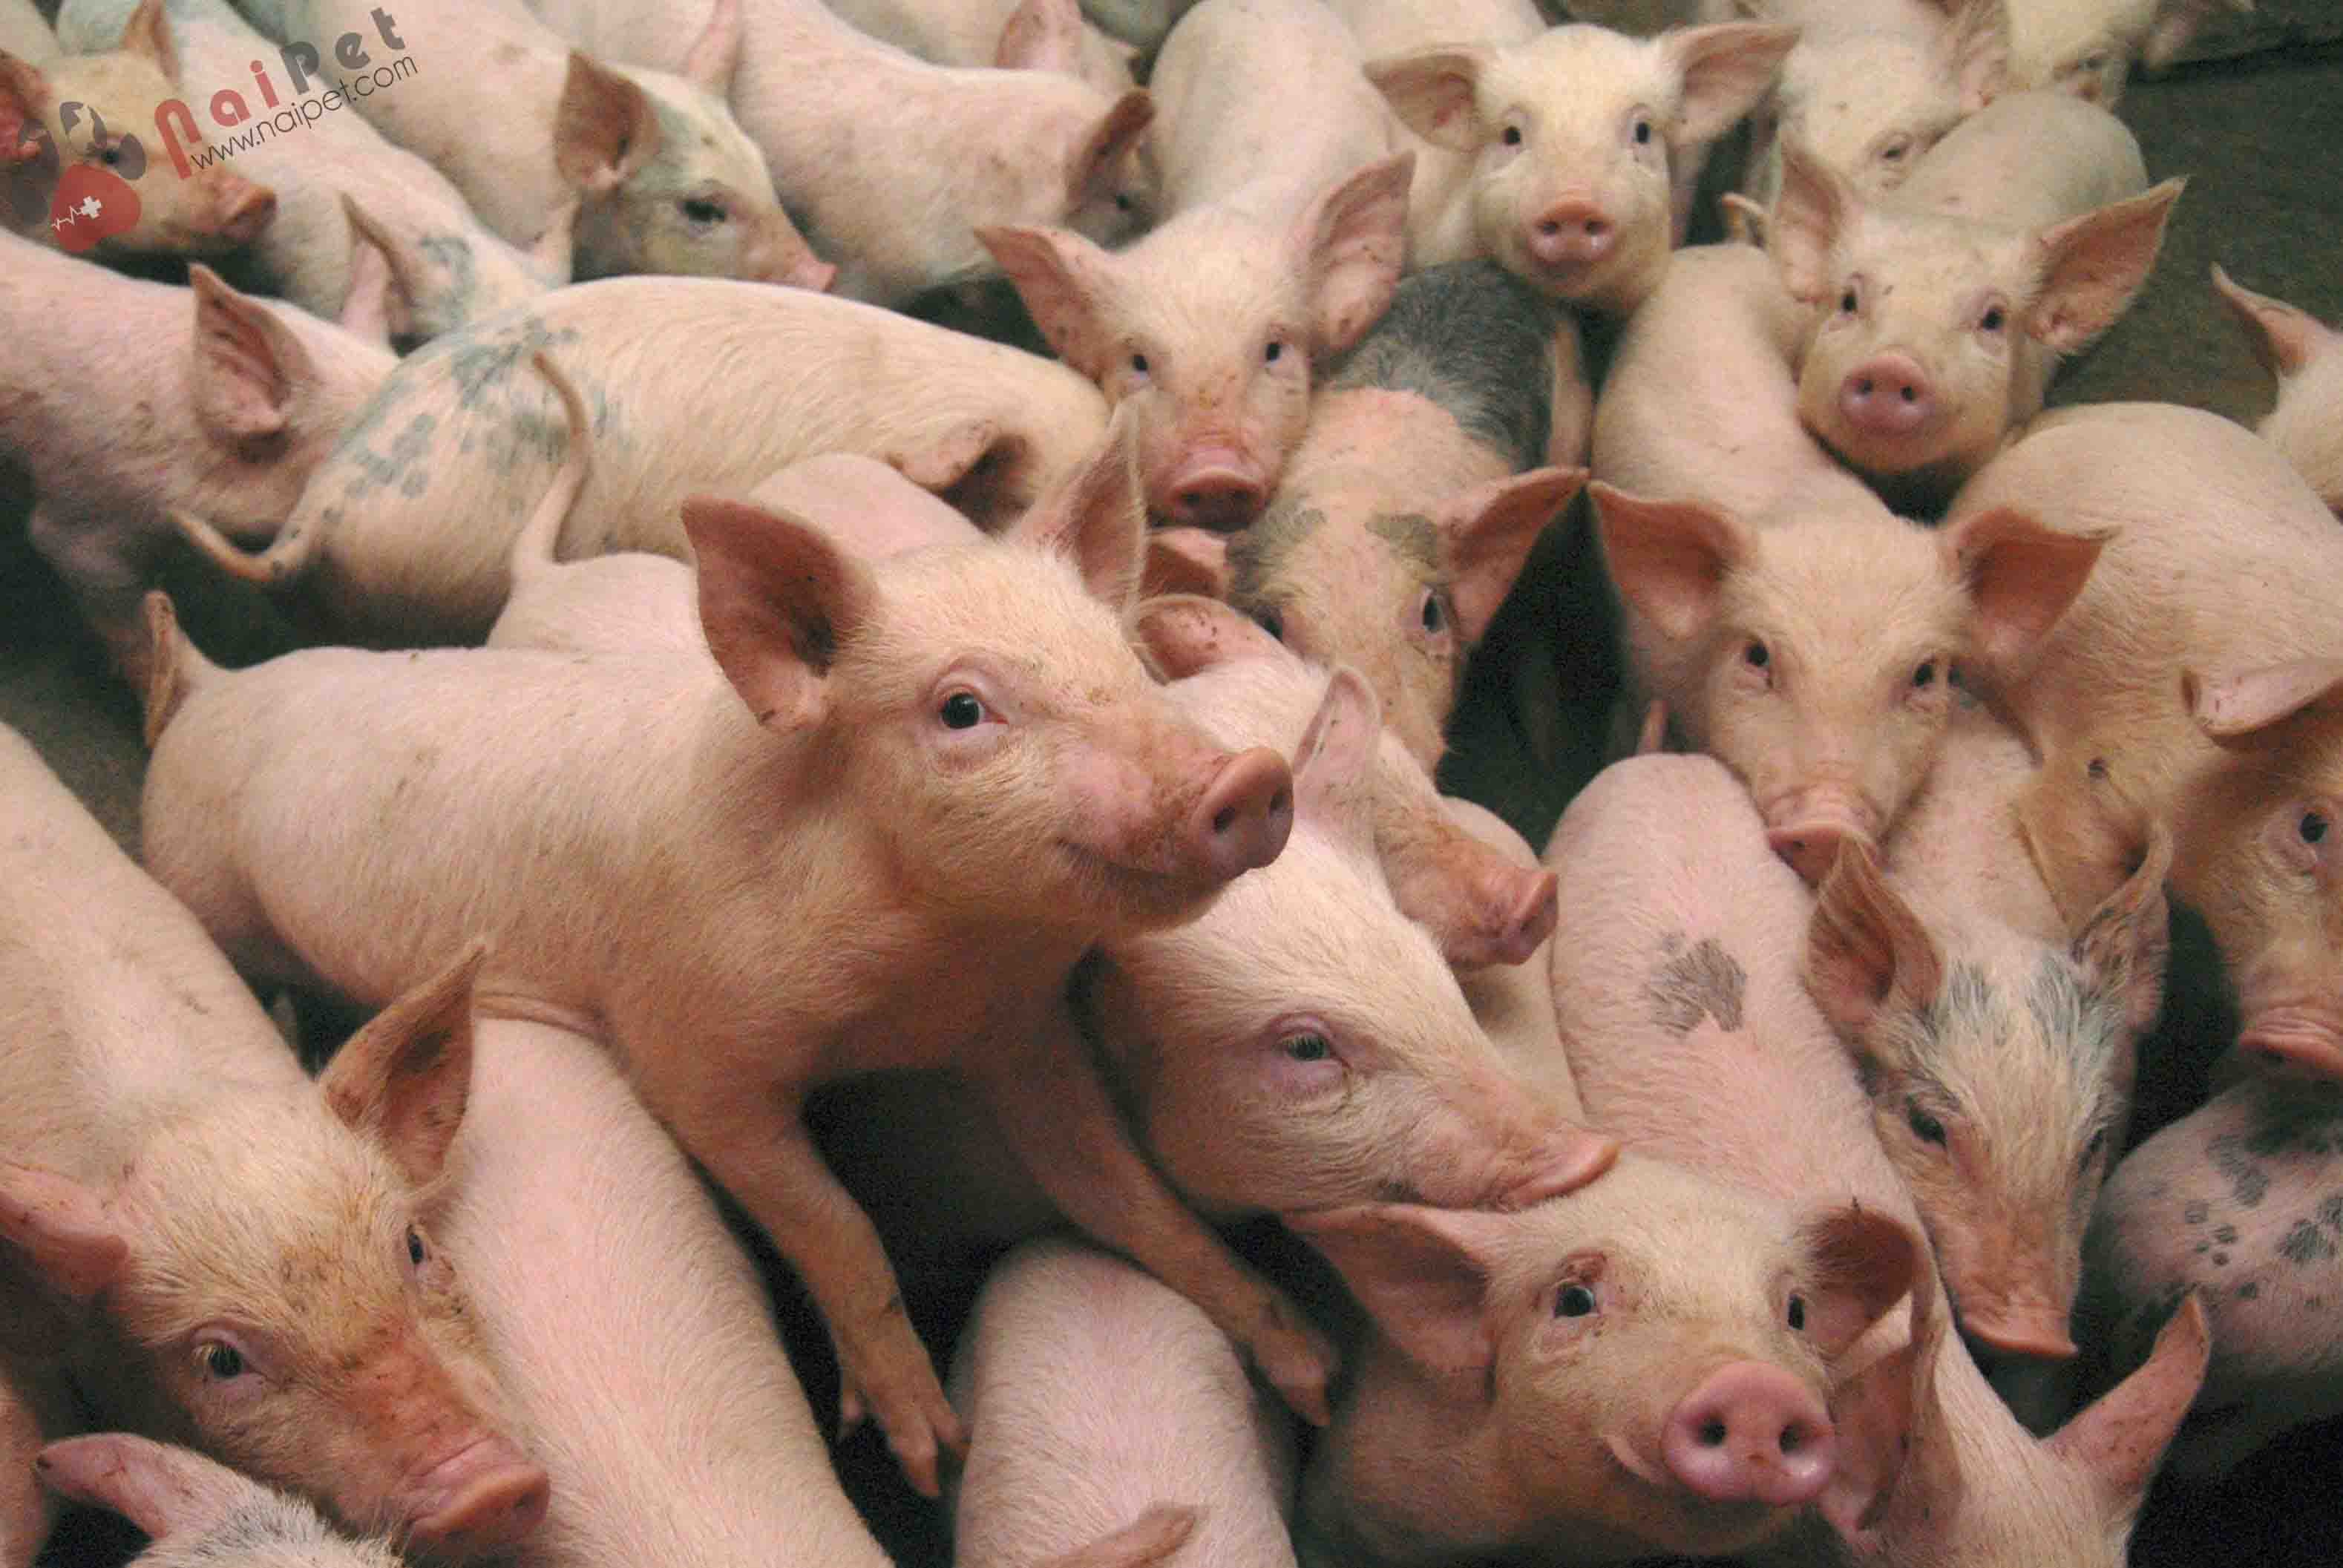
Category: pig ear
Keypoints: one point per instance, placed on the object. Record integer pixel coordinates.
(777, 600)
(72, 1242)
(1811, 211)
(1975, 47)
(1042, 35)
(1485, 534)
(1875, 1414)
(971, 465)
(2119, 1439)
(2094, 264)
(1095, 516)
(1423, 1275)
(371, 299)
(405, 1077)
(164, 1490)
(1333, 781)
(2239, 708)
(715, 54)
(1669, 559)
(1183, 561)
(147, 34)
(1865, 945)
(1183, 633)
(24, 92)
(1726, 68)
(2021, 577)
(603, 129)
(247, 365)
(2282, 337)
(1437, 94)
(1096, 161)
(1864, 1263)
(1355, 237)
(1066, 283)
(2125, 942)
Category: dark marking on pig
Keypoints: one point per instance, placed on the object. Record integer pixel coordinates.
(2197, 1212)
(452, 305)
(2304, 1244)
(2292, 1122)
(2249, 1182)
(398, 466)
(2249, 1291)
(2330, 1212)
(1696, 982)
(2088, 1024)
(2224, 1234)
(2220, 1260)
(1476, 340)
(1258, 556)
(1412, 537)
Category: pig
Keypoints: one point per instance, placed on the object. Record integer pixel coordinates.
(236, 414)
(1998, 1046)
(1095, 1393)
(1268, 267)
(960, 739)
(891, 163)
(1571, 157)
(1692, 1035)
(1013, 35)
(647, 168)
(2306, 357)
(338, 172)
(1939, 316)
(72, 129)
(197, 1512)
(226, 1252)
(2189, 686)
(460, 433)
(1435, 455)
(2233, 1206)
(1812, 648)
(586, 1239)
(1482, 1422)
(1482, 909)
(1868, 90)
(25, 33)
(2085, 47)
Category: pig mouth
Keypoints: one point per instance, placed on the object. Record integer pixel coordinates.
(1153, 893)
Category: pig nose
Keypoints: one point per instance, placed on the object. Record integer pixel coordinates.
(1751, 1432)
(487, 1498)
(1245, 815)
(1571, 234)
(1809, 846)
(1532, 920)
(1217, 488)
(1887, 395)
(245, 210)
(1806, 828)
(1568, 1160)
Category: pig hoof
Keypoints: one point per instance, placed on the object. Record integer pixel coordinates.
(1299, 1364)
(920, 1428)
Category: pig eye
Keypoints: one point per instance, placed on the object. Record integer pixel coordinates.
(1433, 620)
(1123, 201)
(1925, 676)
(1272, 622)
(2091, 1150)
(1138, 363)
(1797, 1313)
(415, 1249)
(706, 213)
(1993, 318)
(1642, 131)
(1756, 655)
(962, 710)
(1925, 1127)
(1847, 302)
(219, 1359)
(1306, 1047)
(2312, 828)
(1895, 151)
(1573, 1301)
(1274, 352)
(1512, 137)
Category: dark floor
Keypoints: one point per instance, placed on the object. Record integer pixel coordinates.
(2262, 141)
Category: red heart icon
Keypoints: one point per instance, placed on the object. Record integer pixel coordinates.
(91, 203)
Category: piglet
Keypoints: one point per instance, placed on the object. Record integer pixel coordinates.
(2306, 358)
(198, 1513)
(1014, 35)
(244, 399)
(2232, 1206)
(1811, 648)
(1571, 157)
(222, 1250)
(2085, 47)
(1938, 316)
(1997, 1045)
(981, 814)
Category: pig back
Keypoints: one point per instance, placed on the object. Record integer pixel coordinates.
(2027, 160)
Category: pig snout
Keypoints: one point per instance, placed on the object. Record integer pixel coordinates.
(1566, 1160)
(783, 256)
(1806, 828)
(1751, 1433)
(1216, 487)
(1888, 396)
(1528, 919)
(481, 1501)
(1245, 813)
(241, 209)
(1571, 236)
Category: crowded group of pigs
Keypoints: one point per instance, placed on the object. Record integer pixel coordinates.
(968, 803)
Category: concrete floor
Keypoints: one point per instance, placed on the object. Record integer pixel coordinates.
(2262, 140)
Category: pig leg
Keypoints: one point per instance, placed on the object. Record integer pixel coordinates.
(760, 1152)
(1055, 1111)
(105, 573)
